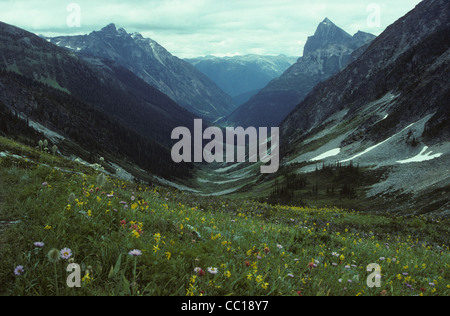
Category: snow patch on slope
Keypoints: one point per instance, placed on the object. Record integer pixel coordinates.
(423, 121)
(421, 157)
(331, 153)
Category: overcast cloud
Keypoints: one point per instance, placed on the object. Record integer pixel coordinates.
(189, 28)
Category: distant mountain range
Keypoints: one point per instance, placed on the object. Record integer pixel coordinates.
(243, 76)
(151, 62)
(326, 53)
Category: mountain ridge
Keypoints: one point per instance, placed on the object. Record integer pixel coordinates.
(151, 62)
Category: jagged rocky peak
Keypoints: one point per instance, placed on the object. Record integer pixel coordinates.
(110, 29)
(327, 33)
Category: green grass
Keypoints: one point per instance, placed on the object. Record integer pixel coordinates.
(258, 249)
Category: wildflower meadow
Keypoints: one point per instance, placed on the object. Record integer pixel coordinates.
(132, 239)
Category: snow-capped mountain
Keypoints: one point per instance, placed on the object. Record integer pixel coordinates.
(326, 53)
(150, 61)
(244, 75)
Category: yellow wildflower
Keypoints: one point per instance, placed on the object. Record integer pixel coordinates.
(87, 279)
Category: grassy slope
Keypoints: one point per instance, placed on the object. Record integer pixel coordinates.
(177, 232)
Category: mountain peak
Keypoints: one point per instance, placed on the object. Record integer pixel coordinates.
(327, 33)
(109, 29)
(327, 21)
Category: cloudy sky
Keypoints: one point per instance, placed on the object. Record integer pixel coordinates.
(189, 28)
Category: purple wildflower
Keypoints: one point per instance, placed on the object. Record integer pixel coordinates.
(135, 253)
(66, 253)
(19, 270)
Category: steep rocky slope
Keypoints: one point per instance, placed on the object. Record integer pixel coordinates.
(387, 109)
(94, 103)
